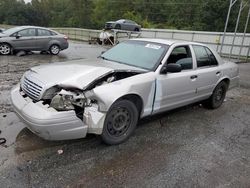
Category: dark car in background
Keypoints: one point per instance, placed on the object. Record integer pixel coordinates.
(1, 30)
(123, 24)
(31, 38)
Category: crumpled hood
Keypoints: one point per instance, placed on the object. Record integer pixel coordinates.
(75, 74)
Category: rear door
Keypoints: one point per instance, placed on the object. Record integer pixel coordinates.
(43, 38)
(176, 89)
(208, 72)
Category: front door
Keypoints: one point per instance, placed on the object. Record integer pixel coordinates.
(25, 39)
(176, 89)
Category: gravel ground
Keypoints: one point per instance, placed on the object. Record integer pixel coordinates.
(187, 147)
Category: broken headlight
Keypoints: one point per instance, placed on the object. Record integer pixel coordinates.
(66, 100)
(51, 92)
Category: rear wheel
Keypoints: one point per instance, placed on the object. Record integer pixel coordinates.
(5, 49)
(218, 96)
(137, 29)
(120, 122)
(54, 49)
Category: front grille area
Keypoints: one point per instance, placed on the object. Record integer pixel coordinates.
(33, 90)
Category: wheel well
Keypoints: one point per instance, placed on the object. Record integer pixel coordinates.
(54, 44)
(136, 99)
(6, 43)
(227, 81)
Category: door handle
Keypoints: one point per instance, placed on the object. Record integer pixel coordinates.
(193, 77)
(217, 73)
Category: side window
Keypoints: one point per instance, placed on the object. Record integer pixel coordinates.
(27, 33)
(213, 59)
(204, 56)
(43, 32)
(181, 55)
(53, 33)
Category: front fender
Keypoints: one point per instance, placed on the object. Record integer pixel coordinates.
(142, 85)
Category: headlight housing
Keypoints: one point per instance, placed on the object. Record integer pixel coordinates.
(67, 100)
(51, 92)
(62, 102)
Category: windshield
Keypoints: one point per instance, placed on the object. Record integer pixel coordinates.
(11, 31)
(142, 54)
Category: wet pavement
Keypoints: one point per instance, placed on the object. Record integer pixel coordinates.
(187, 147)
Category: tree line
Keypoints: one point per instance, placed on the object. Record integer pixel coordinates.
(165, 14)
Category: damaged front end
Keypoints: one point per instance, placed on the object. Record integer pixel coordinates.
(85, 109)
(61, 111)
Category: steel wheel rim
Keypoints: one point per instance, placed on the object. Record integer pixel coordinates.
(219, 94)
(55, 49)
(119, 122)
(4, 49)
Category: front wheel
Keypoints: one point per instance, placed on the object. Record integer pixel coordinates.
(218, 96)
(54, 49)
(5, 49)
(120, 122)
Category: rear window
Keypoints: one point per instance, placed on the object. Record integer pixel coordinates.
(204, 56)
(43, 32)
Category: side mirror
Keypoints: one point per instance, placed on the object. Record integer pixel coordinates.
(172, 68)
(18, 36)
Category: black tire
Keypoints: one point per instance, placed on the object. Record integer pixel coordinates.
(120, 122)
(118, 26)
(137, 29)
(5, 49)
(218, 96)
(54, 49)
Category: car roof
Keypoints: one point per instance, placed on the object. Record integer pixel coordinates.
(167, 41)
(28, 26)
(122, 20)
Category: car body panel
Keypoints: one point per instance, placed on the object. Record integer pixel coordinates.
(78, 73)
(142, 85)
(158, 92)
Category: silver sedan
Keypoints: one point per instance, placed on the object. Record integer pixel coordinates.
(107, 96)
(30, 38)
(123, 24)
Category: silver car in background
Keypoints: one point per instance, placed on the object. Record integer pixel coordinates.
(30, 38)
(107, 96)
(123, 24)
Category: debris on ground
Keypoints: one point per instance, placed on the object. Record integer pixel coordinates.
(44, 52)
(23, 53)
(60, 152)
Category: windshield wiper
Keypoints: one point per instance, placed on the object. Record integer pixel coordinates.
(104, 58)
